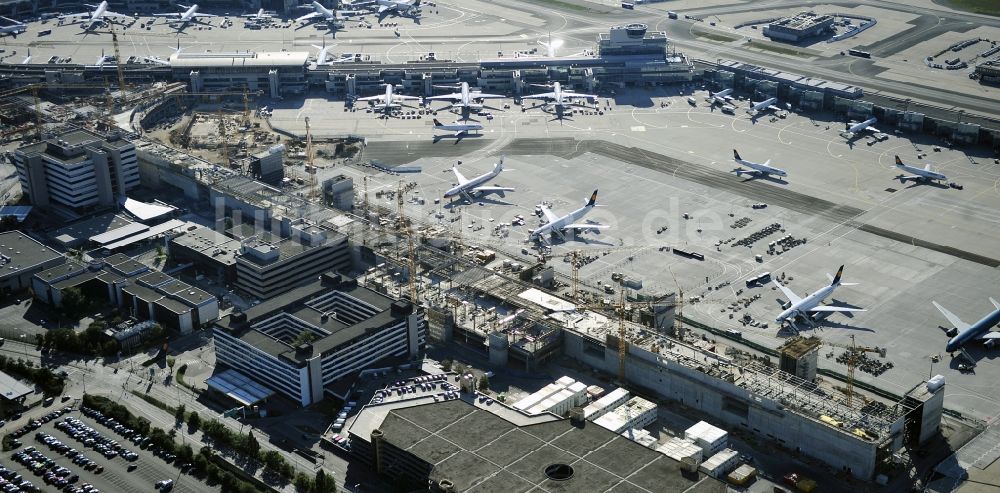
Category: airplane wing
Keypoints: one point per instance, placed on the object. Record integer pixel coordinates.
(995, 303)
(171, 14)
(872, 129)
(373, 98)
(567, 94)
(117, 15)
(479, 95)
(458, 176)
(544, 95)
(199, 14)
(73, 16)
(493, 189)
(773, 108)
(586, 226)
(549, 216)
(990, 336)
(383, 8)
(952, 318)
(457, 96)
(307, 16)
(404, 97)
(831, 308)
(792, 297)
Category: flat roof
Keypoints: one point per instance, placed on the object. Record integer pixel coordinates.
(479, 450)
(246, 59)
(12, 388)
(295, 303)
(19, 252)
(239, 387)
(149, 233)
(118, 233)
(87, 228)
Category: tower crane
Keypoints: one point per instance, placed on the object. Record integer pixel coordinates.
(853, 356)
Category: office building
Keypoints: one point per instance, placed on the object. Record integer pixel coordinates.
(267, 266)
(134, 288)
(276, 74)
(300, 343)
(21, 257)
(212, 254)
(77, 170)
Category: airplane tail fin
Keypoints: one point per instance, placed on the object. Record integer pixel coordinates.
(899, 162)
(437, 123)
(593, 199)
(736, 155)
(928, 167)
(499, 166)
(836, 278)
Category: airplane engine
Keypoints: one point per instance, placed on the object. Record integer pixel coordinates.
(739, 172)
(952, 332)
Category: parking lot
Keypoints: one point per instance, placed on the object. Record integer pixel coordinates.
(73, 446)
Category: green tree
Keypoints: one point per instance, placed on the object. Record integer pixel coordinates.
(213, 473)
(179, 413)
(194, 421)
(302, 483)
(446, 365)
(200, 464)
(304, 337)
(185, 453)
(322, 484)
(74, 303)
(273, 460)
(250, 446)
(484, 383)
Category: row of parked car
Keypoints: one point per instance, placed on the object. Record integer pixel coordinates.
(12, 482)
(53, 474)
(37, 423)
(92, 438)
(77, 457)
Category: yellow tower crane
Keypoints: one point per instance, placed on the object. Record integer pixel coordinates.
(118, 59)
(853, 356)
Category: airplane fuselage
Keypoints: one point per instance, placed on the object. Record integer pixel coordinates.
(473, 183)
(189, 14)
(809, 302)
(558, 224)
(975, 331)
(763, 168)
(763, 104)
(862, 126)
(922, 173)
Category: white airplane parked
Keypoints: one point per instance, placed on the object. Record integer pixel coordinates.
(719, 97)
(861, 127)
(467, 188)
(924, 174)
(811, 306)
(465, 98)
(98, 16)
(324, 14)
(322, 57)
(388, 101)
(759, 169)
(260, 15)
(384, 6)
(558, 225)
(560, 98)
(459, 129)
(767, 104)
(190, 14)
